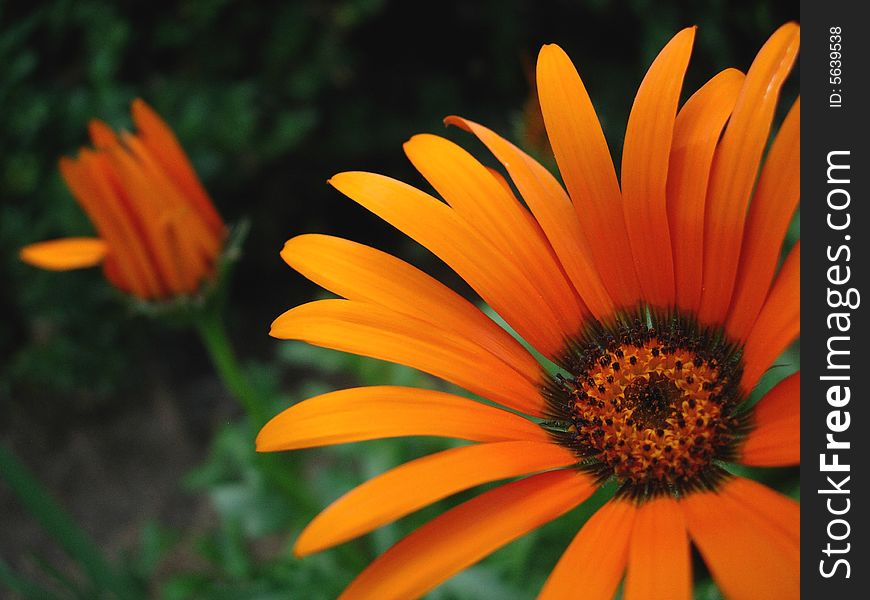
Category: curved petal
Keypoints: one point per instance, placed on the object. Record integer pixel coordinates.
(555, 213)
(146, 208)
(132, 268)
(101, 134)
(370, 413)
(594, 562)
(776, 197)
(587, 169)
(199, 234)
(467, 533)
(65, 254)
(747, 540)
(503, 182)
(777, 510)
(779, 323)
(776, 438)
(735, 166)
(484, 203)
(696, 133)
(659, 563)
(361, 273)
(371, 330)
(645, 155)
(165, 148)
(421, 482)
(437, 227)
(181, 240)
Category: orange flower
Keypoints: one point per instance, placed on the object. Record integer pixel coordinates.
(159, 233)
(659, 301)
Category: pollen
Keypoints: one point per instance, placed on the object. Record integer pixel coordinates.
(652, 402)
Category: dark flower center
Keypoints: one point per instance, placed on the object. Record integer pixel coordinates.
(652, 401)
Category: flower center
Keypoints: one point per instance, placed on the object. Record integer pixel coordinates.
(652, 401)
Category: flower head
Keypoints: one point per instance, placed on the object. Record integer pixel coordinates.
(659, 299)
(159, 233)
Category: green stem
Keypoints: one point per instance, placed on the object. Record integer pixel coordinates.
(213, 333)
(60, 525)
(283, 475)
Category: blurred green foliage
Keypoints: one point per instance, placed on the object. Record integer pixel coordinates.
(270, 99)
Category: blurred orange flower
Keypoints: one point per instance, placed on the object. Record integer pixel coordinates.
(159, 233)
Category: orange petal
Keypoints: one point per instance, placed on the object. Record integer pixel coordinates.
(502, 181)
(202, 239)
(369, 413)
(165, 148)
(185, 242)
(659, 564)
(645, 155)
(465, 534)
(696, 133)
(777, 510)
(132, 269)
(113, 273)
(587, 169)
(594, 562)
(179, 238)
(749, 540)
(101, 134)
(555, 213)
(421, 482)
(484, 203)
(65, 254)
(370, 330)
(151, 209)
(359, 272)
(776, 197)
(776, 437)
(130, 241)
(187, 226)
(735, 167)
(437, 227)
(779, 323)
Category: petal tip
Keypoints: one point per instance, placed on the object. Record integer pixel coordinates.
(265, 442)
(339, 179)
(25, 255)
(300, 548)
(456, 121)
(791, 30)
(142, 111)
(685, 36)
(418, 138)
(65, 254)
(551, 52)
(276, 329)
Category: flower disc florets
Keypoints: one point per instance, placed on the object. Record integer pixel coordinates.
(653, 401)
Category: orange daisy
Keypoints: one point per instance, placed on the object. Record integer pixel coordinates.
(660, 302)
(159, 233)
